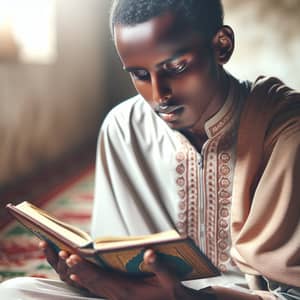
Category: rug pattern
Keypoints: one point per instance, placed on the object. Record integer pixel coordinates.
(19, 252)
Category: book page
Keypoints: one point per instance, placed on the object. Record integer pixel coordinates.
(112, 242)
(70, 232)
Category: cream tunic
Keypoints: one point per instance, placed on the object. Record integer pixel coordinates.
(149, 178)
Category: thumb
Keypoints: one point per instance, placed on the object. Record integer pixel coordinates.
(166, 278)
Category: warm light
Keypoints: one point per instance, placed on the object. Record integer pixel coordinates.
(31, 24)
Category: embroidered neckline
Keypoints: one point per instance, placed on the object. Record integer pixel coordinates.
(223, 119)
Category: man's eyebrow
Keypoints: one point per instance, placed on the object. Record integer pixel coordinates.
(168, 60)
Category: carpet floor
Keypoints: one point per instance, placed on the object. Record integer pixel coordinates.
(71, 202)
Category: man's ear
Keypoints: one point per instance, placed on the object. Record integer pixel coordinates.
(223, 44)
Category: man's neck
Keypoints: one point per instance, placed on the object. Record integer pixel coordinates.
(196, 140)
(198, 136)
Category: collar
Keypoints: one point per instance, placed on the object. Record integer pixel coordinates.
(227, 115)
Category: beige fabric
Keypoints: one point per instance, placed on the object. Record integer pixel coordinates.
(147, 173)
(27, 288)
(136, 155)
(266, 204)
(148, 179)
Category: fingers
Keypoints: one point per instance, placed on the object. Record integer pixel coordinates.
(71, 262)
(50, 254)
(85, 274)
(77, 265)
(75, 278)
(62, 267)
(73, 259)
(63, 254)
(166, 278)
(43, 245)
(58, 262)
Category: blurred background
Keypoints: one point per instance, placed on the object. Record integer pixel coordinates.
(59, 73)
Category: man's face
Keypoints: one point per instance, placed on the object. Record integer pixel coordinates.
(172, 68)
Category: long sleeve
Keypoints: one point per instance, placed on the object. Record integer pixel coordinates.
(266, 206)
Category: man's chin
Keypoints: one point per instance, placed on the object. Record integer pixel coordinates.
(179, 126)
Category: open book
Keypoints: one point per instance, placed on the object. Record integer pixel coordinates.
(124, 253)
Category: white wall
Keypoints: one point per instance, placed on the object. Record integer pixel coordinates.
(47, 110)
(267, 38)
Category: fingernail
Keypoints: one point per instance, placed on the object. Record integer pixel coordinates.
(69, 262)
(75, 258)
(62, 254)
(149, 256)
(73, 277)
(42, 245)
(151, 259)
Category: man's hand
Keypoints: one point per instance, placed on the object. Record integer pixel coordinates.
(112, 285)
(58, 263)
(163, 286)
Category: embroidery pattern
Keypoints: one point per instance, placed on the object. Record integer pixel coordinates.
(210, 184)
(214, 130)
(187, 182)
(218, 192)
(217, 180)
(217, 183)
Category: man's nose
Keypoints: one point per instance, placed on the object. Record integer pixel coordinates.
(161, 90)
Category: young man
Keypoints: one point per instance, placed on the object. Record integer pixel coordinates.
(195, 150)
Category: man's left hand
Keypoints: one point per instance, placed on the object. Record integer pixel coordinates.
(112, 285)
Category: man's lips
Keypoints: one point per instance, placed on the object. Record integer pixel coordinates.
(168, 109)
(169, 113)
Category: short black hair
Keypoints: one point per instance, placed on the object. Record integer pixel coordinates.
(204, 16)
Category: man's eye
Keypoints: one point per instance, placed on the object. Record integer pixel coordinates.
(140, 75)
(175, 68)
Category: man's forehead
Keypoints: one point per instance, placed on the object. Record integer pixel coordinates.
(164, 30)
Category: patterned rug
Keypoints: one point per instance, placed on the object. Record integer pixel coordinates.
(19, 252)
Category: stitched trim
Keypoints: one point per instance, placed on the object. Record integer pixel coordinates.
(187, 181)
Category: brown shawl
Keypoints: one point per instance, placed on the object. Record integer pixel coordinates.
(266, 196)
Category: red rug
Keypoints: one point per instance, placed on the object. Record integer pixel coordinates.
(70, 202)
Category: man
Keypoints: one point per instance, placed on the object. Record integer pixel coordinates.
(198, 151)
